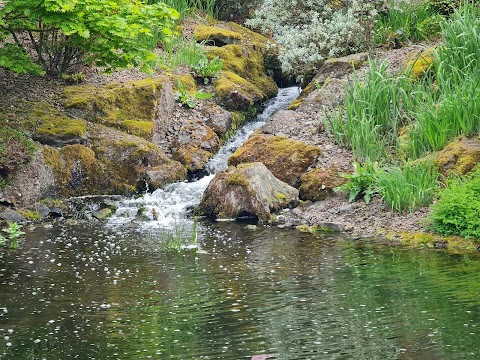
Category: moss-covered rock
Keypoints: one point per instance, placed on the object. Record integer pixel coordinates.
(195, 144)
(287, 159)
(460, 156)
(129, 106)
(419, 63)
(319, 183)
(216, 35)
(246, 190)
(243, 81)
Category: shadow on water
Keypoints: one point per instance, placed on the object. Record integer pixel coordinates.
(91, 292)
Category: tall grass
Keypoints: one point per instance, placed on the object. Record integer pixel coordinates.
(178, 51)
(455, 108)
(409, 186)
(186, 6)
(370, 120)
(406, 21)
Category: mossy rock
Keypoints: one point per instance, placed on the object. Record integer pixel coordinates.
(317, 184)
(187, 81)
(194, 145)
(216, 35)
(246, 190)
(47, 124)
(460, 156)
(431, 240)
(418, 64)
(16, 150)
(287, 159)
(76, 170)
(129, 106)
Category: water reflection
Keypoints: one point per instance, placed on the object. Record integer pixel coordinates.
(86, 292)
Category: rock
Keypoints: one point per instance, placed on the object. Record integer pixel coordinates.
(345, 209)
(331, 68)
(418, 63)
(162, 175)
(218, 119)
(317, 184)
(56, 212)
(195, 144)
(460, 156)
(331, 225)
(284, 122)
(102, 213)
(12, 216)
(42, 210)
(246, 190)
(286, 159)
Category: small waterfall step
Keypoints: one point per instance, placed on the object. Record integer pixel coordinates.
(171, 205)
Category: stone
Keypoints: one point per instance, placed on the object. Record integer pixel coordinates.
(218, 119)
(286, 159)
(246, 190)
(102, 214)
(317, 184)
(460, 156)
(42, 210)
(331, 225)
(12, 216)
(345, 209)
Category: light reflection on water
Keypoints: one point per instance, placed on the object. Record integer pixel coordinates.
(86, 292)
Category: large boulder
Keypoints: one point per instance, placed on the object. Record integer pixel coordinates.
(287, 159)
(246, 190)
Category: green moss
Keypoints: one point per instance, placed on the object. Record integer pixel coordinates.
(313, 229)
(237, 179)
(188, 83)
(117, 104)
(460, 156)
(295, 104)
(421, 64)
(435, 241)
(205, 32)
(29, 214)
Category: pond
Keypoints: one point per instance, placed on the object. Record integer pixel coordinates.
(90, 292)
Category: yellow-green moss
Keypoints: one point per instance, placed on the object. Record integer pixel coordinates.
(237, 179)
(205, 32)
(138, 128)
(29, 214)
(313, 229)
(117, 104)
(229, 82)
(429, 240)
(187, 81)
(460, 156)
(420, 64)
(295, 104)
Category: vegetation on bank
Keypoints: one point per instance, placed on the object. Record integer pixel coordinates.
(424, 113)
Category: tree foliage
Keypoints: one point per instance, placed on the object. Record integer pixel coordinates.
(59, 35)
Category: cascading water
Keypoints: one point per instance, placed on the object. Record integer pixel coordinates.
(170, 205)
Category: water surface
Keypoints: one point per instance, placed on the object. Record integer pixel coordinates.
(89, 292)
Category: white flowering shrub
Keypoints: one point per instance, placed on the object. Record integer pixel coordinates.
(308, 31)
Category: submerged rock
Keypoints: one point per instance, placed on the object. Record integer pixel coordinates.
(286, 159)
(246, 190)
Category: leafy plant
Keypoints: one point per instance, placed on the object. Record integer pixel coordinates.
(186, 6)
(362, 182)
(457, 212)
(207, 69)
(185, 99)
(59, 35)
(14, 235)
(409, 186)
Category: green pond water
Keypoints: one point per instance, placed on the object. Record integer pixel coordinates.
(90, 292)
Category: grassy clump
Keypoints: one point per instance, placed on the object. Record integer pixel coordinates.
(399, 118)
(457, 211)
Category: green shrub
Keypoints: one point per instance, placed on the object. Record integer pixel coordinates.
(444, 7)
(362, 182)
(457, 212)
(409, 186)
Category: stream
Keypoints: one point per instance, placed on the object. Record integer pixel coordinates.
(115, 291)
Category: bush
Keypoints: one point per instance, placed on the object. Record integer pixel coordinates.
(309, 31)
(457, 212)
(59, 35)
